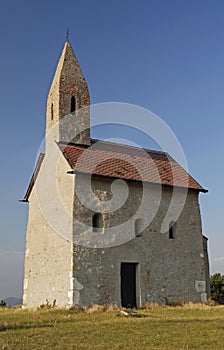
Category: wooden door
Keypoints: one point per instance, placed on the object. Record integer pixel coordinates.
(128, 285)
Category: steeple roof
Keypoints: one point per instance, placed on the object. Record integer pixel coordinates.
(69, 94)
(68, 67)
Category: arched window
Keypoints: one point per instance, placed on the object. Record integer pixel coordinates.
(139, 227)
(171, 230)
(97, 222)
(73, 104)
(52, 111)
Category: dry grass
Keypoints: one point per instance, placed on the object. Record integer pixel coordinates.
(163, 327)
(101, 308)
(93, 309)
(189, 305)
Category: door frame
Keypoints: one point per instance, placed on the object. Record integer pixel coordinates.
(137, 282)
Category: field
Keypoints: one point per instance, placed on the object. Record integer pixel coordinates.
(188, 327)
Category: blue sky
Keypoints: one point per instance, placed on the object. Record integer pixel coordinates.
(164, 55)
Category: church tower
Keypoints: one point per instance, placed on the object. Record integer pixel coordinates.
(68, 101)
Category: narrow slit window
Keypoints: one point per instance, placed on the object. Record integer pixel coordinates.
(139, 227)
(171, 230)
(73, 104)
(97, 222)
(52, 111)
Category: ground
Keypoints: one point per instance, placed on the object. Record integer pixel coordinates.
(188, 327)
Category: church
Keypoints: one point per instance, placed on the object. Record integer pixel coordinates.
(96, 212)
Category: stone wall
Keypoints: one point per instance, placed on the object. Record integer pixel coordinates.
(168, 270)
(206, 265)
(48, 259)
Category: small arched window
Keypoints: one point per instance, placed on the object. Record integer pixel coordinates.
(139, 227)
(171, 230)
(73, 104)
(97, 222)
(52, 111)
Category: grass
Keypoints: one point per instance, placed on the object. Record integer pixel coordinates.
(188, 327)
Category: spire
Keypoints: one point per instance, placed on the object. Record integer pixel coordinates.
(69, 94)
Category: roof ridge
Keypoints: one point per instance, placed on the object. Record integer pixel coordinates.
(93, 141)
(128, 146)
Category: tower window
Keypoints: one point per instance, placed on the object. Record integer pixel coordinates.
(97, 222)
(52, 111)
(139, 227)
(171, 230)
(73, 104)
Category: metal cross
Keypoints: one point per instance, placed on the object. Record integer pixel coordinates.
(67, 35)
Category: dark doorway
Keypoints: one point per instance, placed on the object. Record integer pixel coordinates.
(128, 285)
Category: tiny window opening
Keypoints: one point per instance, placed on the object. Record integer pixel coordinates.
(171, 230)
(139, 227)
(73, 104)
(97, 222)
(52, 111)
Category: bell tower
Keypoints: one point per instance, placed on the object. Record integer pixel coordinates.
(68, 101)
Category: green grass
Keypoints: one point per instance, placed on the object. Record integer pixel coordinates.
(192, 327)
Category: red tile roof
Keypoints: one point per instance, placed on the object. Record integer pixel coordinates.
(129, 163)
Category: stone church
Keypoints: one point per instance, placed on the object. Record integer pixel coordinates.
(87, 242)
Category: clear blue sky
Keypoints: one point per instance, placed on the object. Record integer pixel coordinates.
(164, 55)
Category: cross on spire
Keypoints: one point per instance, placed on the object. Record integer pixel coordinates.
(67, 35)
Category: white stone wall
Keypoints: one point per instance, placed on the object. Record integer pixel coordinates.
(48, 260)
